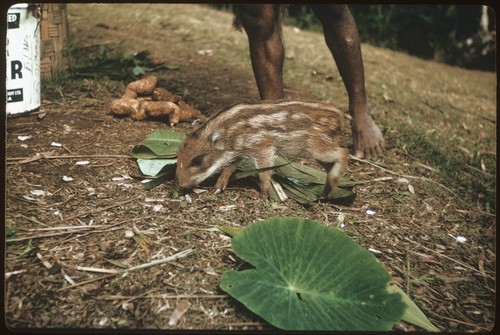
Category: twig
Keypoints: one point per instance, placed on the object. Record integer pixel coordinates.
(103, 208)
(164, 296)
(459, 321)
(9, 274)
(86, 282)
(178, 255)
(441, 255)
(401, 174)
(22, 160)
(92, 269)
(49, 266)
(78, 229)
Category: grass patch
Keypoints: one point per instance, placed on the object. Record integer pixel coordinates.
(453, 167)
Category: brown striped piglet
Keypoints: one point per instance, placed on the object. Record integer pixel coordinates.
(260, 131)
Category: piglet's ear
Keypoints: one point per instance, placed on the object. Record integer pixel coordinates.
(215, 138)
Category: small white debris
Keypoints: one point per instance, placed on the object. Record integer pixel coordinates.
(205, 52)
(56, 144)
(224, 237)
(180, 309)
(82, 163)
(341, 218)
(153, 200)
(104, 321)
(91, 190)
(56, 213)
(370, 212)
(383, 179)
(38, 193)
(296, 30)
(25, 146)
(66, 178)
(279, 190)
(403, 180)
(375, 251)
(157, 208)
(199, 190)
(226, 208)
(117, 179)
(411, 189)
(459, 238)
(129, 233)
(24, 137)
(188, 199)
(127, 306)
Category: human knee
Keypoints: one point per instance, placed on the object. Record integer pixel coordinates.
(259, 19)
(331, 12)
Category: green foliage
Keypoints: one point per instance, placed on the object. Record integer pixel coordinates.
(113, 63)
(300, 182)
(436, 32)
(453, 166)
(311, 277)
(156, 156)
(162, 143)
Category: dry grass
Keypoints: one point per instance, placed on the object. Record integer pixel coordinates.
(439, 123)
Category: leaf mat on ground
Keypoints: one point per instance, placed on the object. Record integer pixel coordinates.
(162, 143)
(300, 182)
(125, 67)
(311, 277)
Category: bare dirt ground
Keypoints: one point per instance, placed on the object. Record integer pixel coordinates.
(435, 183)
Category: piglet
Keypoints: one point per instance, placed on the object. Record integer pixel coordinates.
(260, 131)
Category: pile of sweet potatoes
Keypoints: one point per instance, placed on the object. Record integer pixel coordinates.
(142, 99)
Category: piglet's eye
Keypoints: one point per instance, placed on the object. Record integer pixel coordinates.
(196, 162)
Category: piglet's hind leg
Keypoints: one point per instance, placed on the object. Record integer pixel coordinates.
(334, 162)
(265, 160)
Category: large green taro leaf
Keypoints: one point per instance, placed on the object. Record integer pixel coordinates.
(162, 143)
(311, 277)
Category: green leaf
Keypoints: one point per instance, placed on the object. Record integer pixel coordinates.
(311, 277)
(231, 231)
(152, 167)
(413, 314)
(148, 184)
(300, 182)
(159, 144)
(29, 250)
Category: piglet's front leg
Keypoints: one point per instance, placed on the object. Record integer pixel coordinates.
(226, 173)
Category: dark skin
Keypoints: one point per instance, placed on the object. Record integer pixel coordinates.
(261, 24)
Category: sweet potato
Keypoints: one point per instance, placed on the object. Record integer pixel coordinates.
(162, 94)
(144, 86)
(159, 108)
(125, 106)
(164, 103)
(129, 94)
(188, 112)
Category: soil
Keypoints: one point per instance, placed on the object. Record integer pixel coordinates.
(67, 237)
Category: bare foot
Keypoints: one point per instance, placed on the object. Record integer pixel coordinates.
(367, 138)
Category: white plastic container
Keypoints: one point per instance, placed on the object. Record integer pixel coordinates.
(23, 59)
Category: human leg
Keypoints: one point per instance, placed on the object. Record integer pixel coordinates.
(262, 25)
(341, 36)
